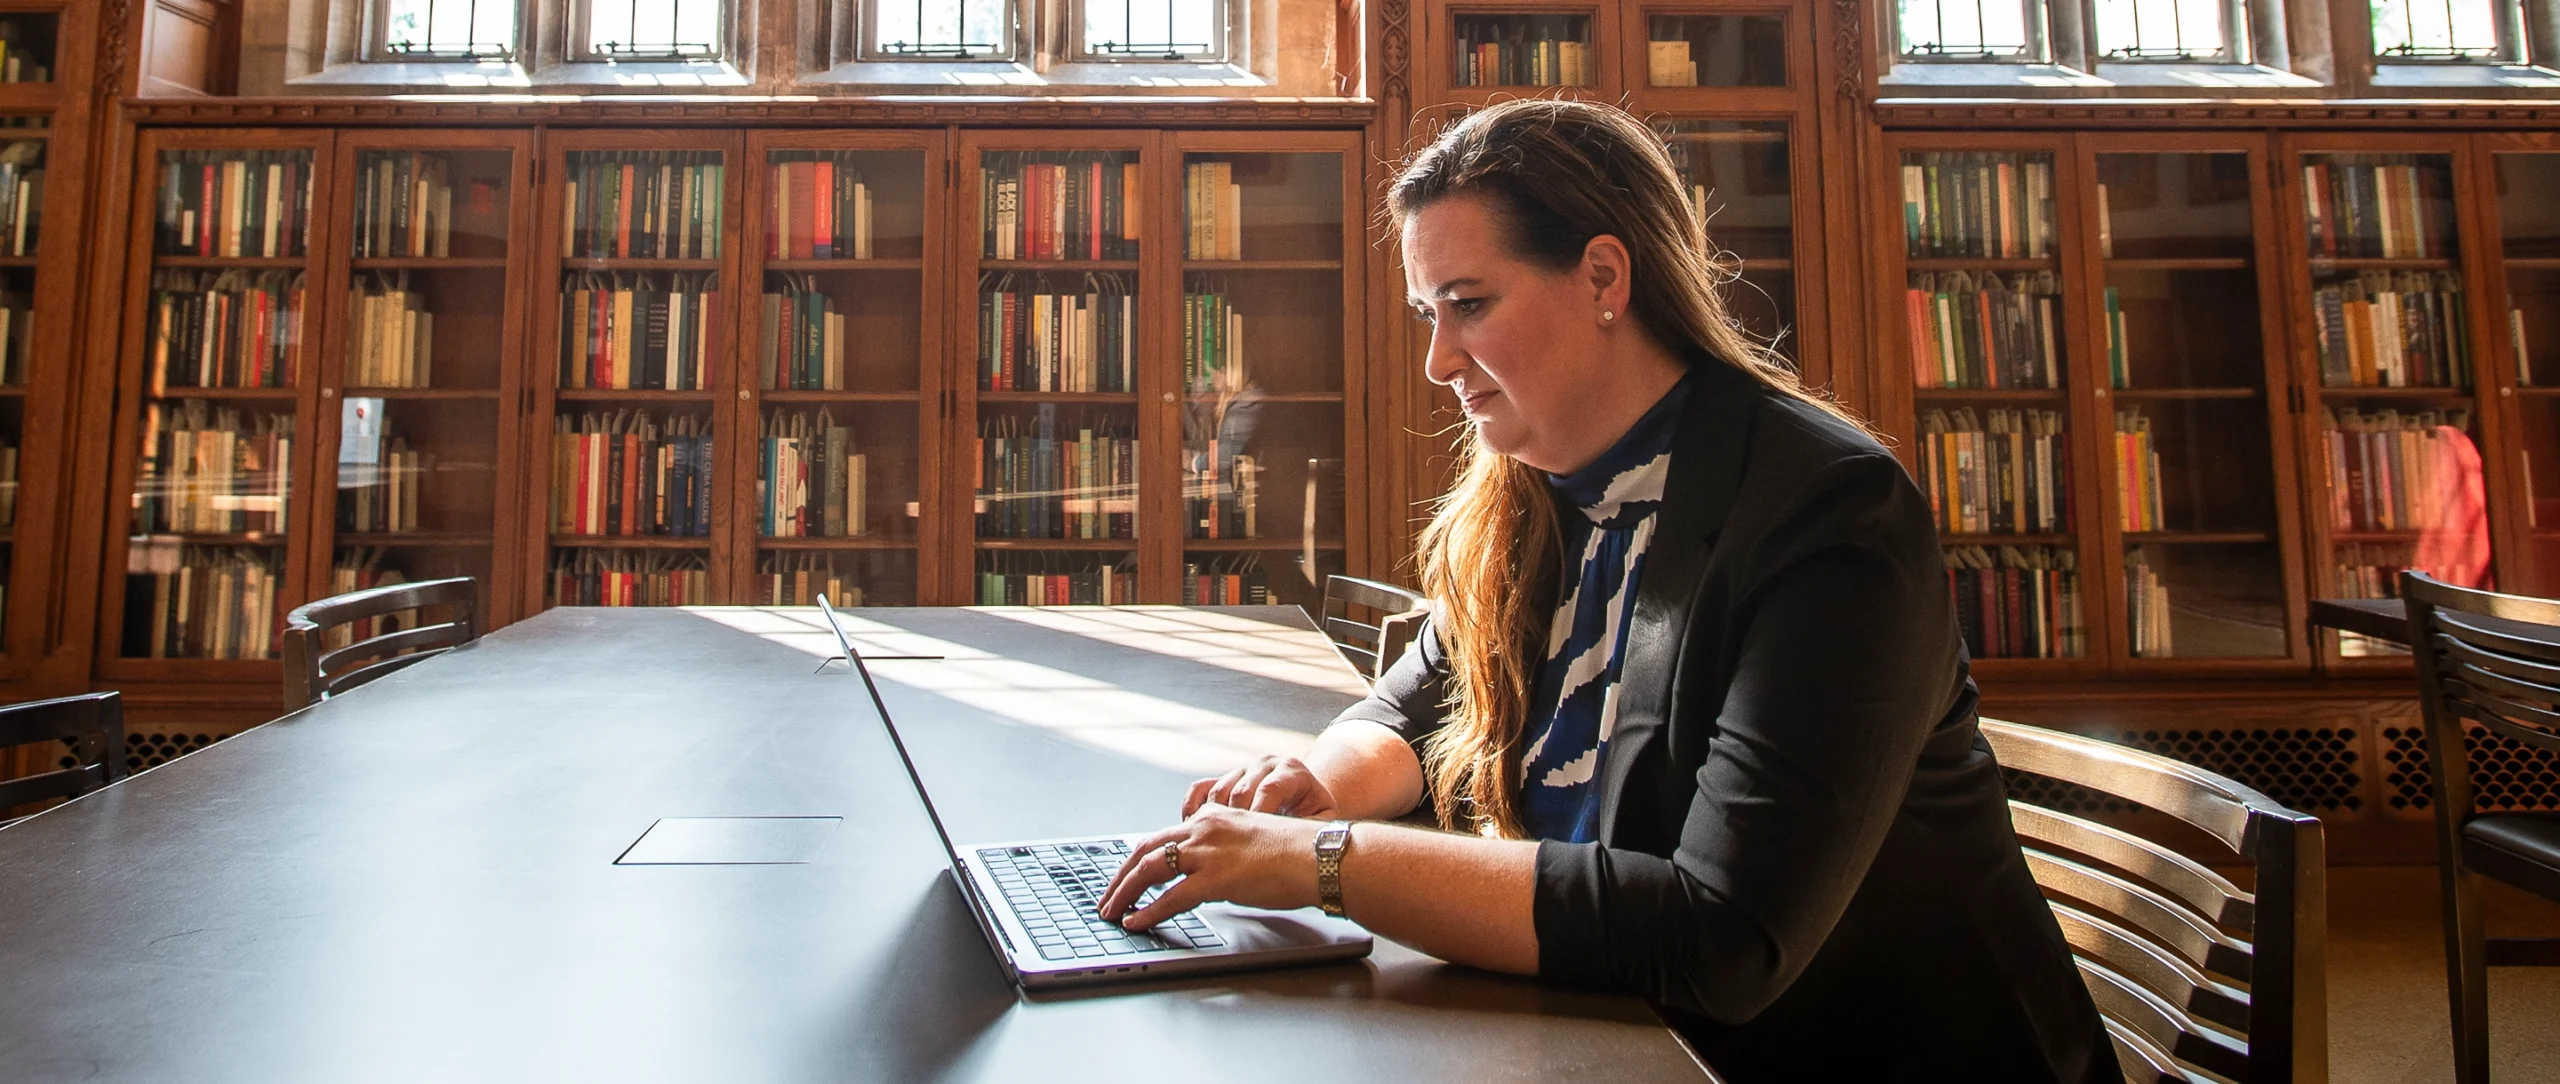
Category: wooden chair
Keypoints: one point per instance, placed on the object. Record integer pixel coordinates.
(1370, 647)
(94, 723)
(313, 672)
(2189, 971)
(2493, 660)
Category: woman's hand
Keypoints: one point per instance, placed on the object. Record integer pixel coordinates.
(1281, 785)
(1217, 853)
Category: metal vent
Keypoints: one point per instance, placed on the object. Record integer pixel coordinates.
(2507, 776)
(2312, 769)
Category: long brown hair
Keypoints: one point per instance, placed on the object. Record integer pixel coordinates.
(1558, 173)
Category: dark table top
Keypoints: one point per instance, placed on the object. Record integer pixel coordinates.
(416, 881)
(2385, 619)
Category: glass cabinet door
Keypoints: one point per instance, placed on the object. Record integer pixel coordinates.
(418, 379)
(1263, 436)
(641, 347)
(1736, 176)
(1054, 460)
(838, 357)
(2397, 421)
(1983, 300)
(2527, 186)
(2195, 490)
(21, 221)
(223, 359)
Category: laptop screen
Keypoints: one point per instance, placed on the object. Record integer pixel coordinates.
(853, 658)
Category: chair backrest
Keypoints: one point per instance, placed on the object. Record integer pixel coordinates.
(1370, 644)
(313, 671)
(2189, 970)
(92, 722)
(2488, 658)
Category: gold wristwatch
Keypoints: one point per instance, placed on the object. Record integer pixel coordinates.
(1331, 841)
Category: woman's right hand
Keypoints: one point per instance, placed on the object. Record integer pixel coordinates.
(1282, 785)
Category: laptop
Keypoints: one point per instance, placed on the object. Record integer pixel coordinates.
(1035, 901)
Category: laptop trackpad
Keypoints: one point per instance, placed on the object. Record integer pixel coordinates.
(730, 841)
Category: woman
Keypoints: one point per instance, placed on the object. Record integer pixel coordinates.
(1692, 695)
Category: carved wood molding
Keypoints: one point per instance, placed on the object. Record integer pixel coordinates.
(2102, 113)
(1396, 78)
(114, 22)
(759, 112)
(1847, 17)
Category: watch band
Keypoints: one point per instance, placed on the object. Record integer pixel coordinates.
(1331, 841)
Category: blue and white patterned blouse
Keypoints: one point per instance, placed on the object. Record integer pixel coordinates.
(1574, 703)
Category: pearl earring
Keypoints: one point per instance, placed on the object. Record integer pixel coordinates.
(1607, 316)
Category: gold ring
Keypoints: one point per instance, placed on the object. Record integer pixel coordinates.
(1173, 857)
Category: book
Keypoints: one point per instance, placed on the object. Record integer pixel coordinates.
(2017, 602)
(1999, 472)
(2396, 470)
(357, 568)
(631, 473)
(2147, 598)
(378, 482)
(1667, 64)
(1978, 205)
(2378, 206)
(21, 197)
(1522, 50)
(594, 577)
(391, 336)
(17, 335)
(1057, 205)
(2138, 500)
(1015, 578)
(1985, 330)
(212, 470)
(1038, 479)
(643, 205)
(1230, 580)
(817, 207)
(798, 578)
(224, 329)
(2380, 328)
(8, 484)
(639, 330)
(404, 205)
(204, 602)
(1033, 336)
(1213, 206)
(233, 203)
(811, 478)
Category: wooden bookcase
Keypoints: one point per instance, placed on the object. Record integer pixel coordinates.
(43, 164)
(875, 370)
(210, 507)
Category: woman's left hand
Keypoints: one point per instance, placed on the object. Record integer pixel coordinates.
(1218, 853)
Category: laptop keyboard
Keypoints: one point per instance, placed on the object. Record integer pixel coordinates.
(1054, 888)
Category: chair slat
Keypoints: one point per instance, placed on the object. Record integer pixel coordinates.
(1340, 629)
(2126, 1002)
(2159, 917)
(2532, 680)
(2503, 636)
(2499, 714)
(2142, 1060)
(2137, 958)
(344, 682)
(447, 634)
(2210, 802)
(2520, 608)
(58, 783)
(1354, 591)
(2189, 881)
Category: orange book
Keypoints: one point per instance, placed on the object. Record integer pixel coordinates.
(625, 197)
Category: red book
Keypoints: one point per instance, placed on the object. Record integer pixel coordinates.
(2015, 613)
(1093, 212)
(822, 219)
(626, 196)
(1987, 596)
(205, 217)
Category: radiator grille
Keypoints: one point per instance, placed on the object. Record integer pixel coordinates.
(2507, 776)
(2311, 769)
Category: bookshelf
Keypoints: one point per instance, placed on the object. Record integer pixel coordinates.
(22, 207)
(846, 399)
(2520, 275)
(221, 394)
(1490, 49)
(636, 342)
(1714, 57)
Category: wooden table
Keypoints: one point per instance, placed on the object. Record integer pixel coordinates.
(417, 881)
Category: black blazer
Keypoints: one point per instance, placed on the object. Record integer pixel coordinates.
(1804, 860)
